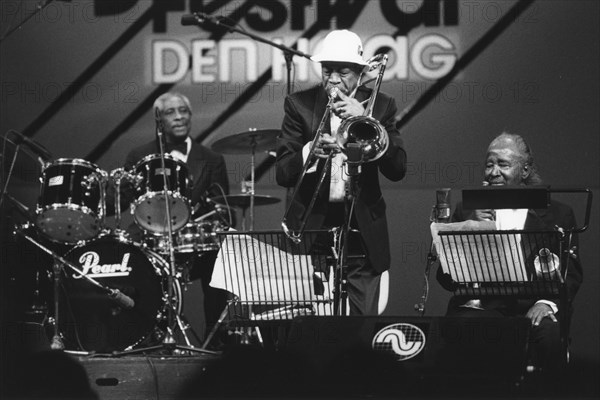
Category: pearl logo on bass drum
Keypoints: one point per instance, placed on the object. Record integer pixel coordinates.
(403, 341)
(91, 267)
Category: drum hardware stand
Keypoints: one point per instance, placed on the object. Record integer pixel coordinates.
(101, 177)
(38, 308)
(117, 176)
(220, 321)
(173, 319)
(115, 294)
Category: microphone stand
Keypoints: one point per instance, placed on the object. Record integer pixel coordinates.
(431, 259)
(354, 154)
(168, 341)
(9, 175)
(440, 213)
(199, 19)
(39, 7)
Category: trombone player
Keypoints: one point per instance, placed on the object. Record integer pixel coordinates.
(340, 92)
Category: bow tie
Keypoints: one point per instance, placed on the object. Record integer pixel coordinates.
(180, 147)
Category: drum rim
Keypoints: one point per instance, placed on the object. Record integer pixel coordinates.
(148, 195)
(70, 206)
(191, 222)
(154, 156)
(186, 248)
(72, 161)
(99, 222)
(171, 193)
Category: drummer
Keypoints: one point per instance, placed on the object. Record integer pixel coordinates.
(206, 168)
(208, 176)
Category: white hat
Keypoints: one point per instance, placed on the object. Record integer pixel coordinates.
(341, 46)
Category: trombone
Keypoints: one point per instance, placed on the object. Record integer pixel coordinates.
(296, 236)
(362, 130)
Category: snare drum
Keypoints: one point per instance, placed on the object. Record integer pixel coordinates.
(71, 203)
(91, 320)
(149, 209)
(194, 237)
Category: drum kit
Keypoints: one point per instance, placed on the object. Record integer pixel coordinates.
(114, 295)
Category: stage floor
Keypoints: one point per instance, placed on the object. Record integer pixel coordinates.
(318, 368)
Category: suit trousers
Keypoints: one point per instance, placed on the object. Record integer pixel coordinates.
(362, 279)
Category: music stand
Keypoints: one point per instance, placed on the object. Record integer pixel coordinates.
(271, 280)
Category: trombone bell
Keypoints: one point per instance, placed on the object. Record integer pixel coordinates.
(368, 133)
(365, 130)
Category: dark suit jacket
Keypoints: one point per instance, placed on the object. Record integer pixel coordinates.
(303, 113)
(556, 215)
(205, 167)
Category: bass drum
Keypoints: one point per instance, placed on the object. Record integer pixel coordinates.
(90, 320)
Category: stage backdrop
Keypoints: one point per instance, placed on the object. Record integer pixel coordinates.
(80, 77)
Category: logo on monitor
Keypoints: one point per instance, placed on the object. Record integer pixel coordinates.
(403, 341)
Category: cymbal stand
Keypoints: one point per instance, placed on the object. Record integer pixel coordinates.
(248, 186)
(252, 177)
(117, 176)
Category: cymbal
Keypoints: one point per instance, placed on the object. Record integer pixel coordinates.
(243, 200)
(243, 143)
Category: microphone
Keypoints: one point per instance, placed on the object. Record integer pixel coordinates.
(196, 19)
(222, 211)
(37, 148)
(442, 206)
(123, 300)
(218, 206)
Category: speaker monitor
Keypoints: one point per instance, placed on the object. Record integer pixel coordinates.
(414, 349)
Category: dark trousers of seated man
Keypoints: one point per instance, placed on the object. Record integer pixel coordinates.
(545, 349)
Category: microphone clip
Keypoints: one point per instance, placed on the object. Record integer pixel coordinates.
(158, 121)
